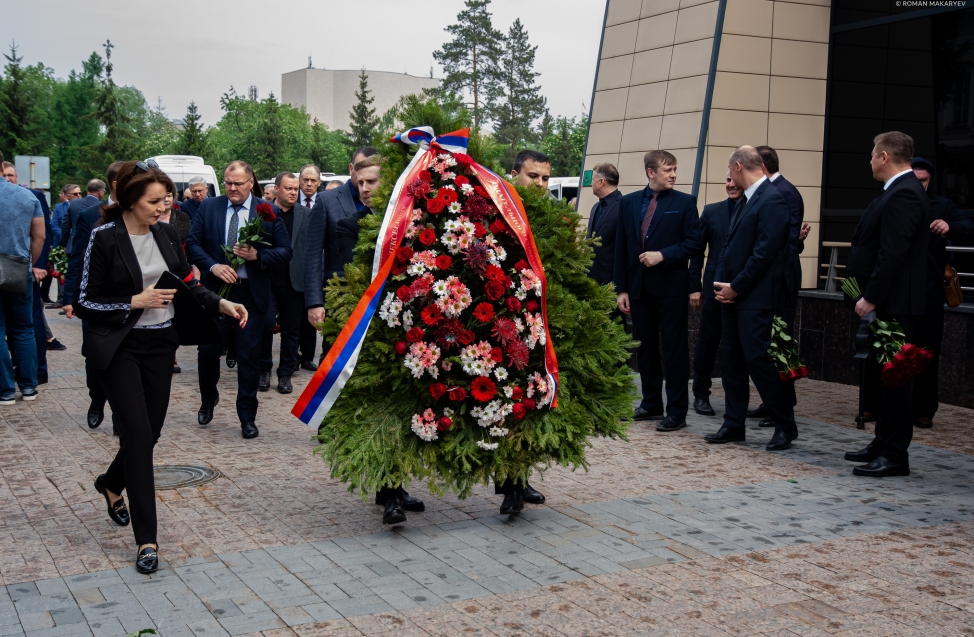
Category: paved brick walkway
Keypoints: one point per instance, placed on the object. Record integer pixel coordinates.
(664, 536)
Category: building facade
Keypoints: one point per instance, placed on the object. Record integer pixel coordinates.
(329, 95)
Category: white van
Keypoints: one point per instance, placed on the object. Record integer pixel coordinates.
(182, 168)
(563, 187)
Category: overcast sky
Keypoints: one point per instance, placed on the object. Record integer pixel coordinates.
(184, 50)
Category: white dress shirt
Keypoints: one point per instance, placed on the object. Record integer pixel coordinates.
(750, 191)
(895, 177)
(243, 215)
(303, 197)
(774, 176)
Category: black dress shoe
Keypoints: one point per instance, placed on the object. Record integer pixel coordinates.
(767, 422)
(265, 381)
(726, 434)
(309, 365)
(781, 439)
(147, 560)
(55, 345)
(96, 414)
(923, 422)
(870, 453)
(205, 414)
(671, 424)
(284, 385)
(249, 429)
(118, 512)
(393, 513)
(176, 369)
(702, 406)
(532, 495)
(406, 501)
(231, 360)
(881, 468)
(643, 414)
(513, 502)
(760, 412)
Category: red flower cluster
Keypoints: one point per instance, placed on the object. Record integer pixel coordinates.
(794, 374)
(906, 365)
(266, 212)
(483, 389)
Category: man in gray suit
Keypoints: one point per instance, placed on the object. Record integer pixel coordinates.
(322, 257)
(287, 290)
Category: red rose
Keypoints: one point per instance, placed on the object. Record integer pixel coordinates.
(479, 230)
(405, 294)
(398, 268)
(266, 211)
(414, 335)
(458, 393)
(427, 237)
(483, 312)
(531, 306)
(517, 393)
(460, 180)
(404, 254)
(483, 389)
(443, 424)
(783, 376)
(529, 403)
(426, 176)
(175, 206)
(443, 262)
(521, 265)
(437, 390)
(434, 206)
(803, 372)
(519, 411)
(496, 354)
(465, 337)
(277, 328)
(463, 159)
(480, 190)
(513, 305)
(497, 226)
(448, 195)
(401, 348)
(494, 290)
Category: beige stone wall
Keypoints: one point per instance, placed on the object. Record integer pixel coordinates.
(769, 89)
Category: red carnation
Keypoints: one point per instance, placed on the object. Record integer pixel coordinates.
(466, 337)
(437, 390)
(443, 262)
(513, 305)
(479, 230)
(431, 315)
(266, 212)
(529, 403)
(531, 306)
(521, 265)
(401, 348)
(517, 393)
(483, 389)
(457, 394)
(404, 293)
(497, 226)
(418, 189)
(483, 312)
(448, 195)
(443, 424)
(463, 159)
(494, 290)
(426, 176)
(435, 206)
(494, 273)
(519, 411)
(480, 190)
(415, 334)
(460, 180)
(496, 354)
(404, 254)
(427, 237)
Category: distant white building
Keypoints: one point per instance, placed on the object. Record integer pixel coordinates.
(329, 95)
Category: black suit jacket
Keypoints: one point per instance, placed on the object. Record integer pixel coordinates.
(69, 223)
(322, 253)
(889, 249)
(299, 231)
(714, 224)
(961, 233)
(83, 224)
(674, 232)
(753, 258)
(190, 207)
(796, 215)
(605, 254)
(111, 276)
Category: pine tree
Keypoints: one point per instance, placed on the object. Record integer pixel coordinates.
(470, 60)
(517, 99)
(192, 139)
(564, 145)
(117, 143)
(364, 124)
(15, 108)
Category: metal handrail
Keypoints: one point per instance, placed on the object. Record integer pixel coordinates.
(831, 277)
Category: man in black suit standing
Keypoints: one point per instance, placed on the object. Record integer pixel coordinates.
(603, 220)
(714, 223)
(197, 193)
(658, 231)
(750, 283)
(69, 222)
(889, 262)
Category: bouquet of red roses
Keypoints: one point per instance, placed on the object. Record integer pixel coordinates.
(57, 264)
(901, 361)
(783, 353)
(251, 233)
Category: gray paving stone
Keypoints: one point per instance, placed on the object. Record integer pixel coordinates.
(65, 616)
(358, 606)
(207, 628)
(322, 612)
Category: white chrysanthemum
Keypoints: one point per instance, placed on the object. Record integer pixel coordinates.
(451, 225)
(497, 432)
(489, 446)
(454, 207)
(521, 293)
(389, 312)
(508, 391)
(407, 319)
(466, 189)
(500, 373)
(440, 288)
(501, 253)
(449, 175)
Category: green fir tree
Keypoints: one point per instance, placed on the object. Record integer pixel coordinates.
(363, 124)
(564, 144)
(110, 112)
(517, 100)
(193, 137)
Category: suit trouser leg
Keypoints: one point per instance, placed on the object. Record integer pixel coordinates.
(733, 370)
(645, 329)
(788, 315)
(894, 426)
(291, 316)
(929, 335)
(267, 337)
(247, 342)
(309, 336)
(673, 318)
(705, 352)
(95, 391)
(139, 380)
(755, 335)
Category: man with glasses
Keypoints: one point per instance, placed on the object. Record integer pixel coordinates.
(215, 226)
(197, 193)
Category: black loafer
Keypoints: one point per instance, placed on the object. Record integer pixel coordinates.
(56, 346)
(408, 502)
(726, 434)
(393, 513)
(882, 468)
(702, 406)
(781, 440)
(671, 424)
(513, 502)
(643, 414)
(867, 455)
(767, 422)
(96, 414)
(176, 369)
(923, 423)
(309, 365)
(249, 429)
(231, 360)
(118, 512)
(205, 414)
(284, 385)
(760, 412)
(532, 495)
(264, 384)
(147, 560)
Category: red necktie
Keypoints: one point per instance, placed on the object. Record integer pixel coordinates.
(307, 202)
(647, 218)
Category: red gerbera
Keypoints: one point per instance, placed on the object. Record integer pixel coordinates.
(483, 389)
(494, 273)
(504, 330)
(427, 237)
(435, 206)
(448, 195)
(517, 353)
(431, 315)
(483, 312)
(443, 262)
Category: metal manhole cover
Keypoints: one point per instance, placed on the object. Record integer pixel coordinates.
(176, 476)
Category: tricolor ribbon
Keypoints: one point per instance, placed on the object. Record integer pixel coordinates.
(337, 367)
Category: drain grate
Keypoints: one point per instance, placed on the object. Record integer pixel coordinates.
(176, 476)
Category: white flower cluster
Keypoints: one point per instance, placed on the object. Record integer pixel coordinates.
(536, 333)
(423, 357)
(538, 383)
(424, 425)
(389, 312)
(498, 432)
(475, 359)
(495, 412)
(489, 446)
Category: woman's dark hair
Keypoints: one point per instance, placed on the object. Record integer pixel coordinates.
(130, 186)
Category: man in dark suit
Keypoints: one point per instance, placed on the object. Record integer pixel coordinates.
(889, 262)
(69, 222)
(658, 231)
(197, 193)
(714, 223)
(215, 226)
(287, 298)
(309, 178)
(602, 221)
(749, 282)
(947, 222)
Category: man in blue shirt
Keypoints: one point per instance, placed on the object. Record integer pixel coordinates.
(69, 193)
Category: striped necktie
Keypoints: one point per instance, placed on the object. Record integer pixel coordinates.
(234, 225)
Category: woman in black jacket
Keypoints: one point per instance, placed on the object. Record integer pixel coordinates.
(133, 332)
